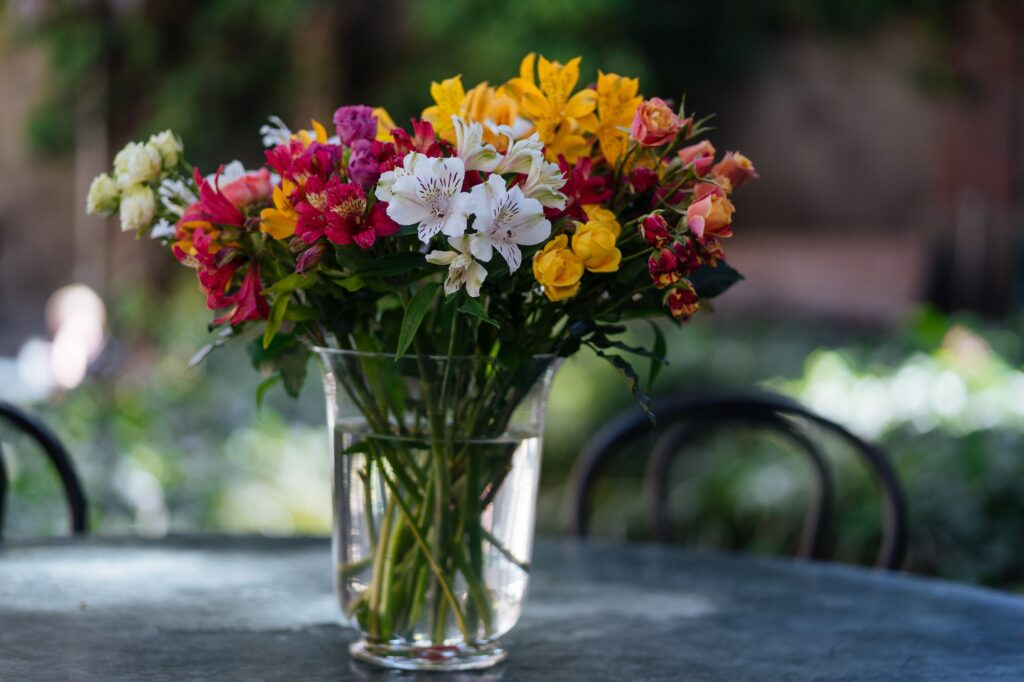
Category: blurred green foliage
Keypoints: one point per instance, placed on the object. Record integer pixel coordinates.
(214, 70)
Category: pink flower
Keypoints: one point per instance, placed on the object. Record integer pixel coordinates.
(702, 155)
(355, 123)
(643, 179)
(297, 162)
(736, 168)
(655, 124)
(248, 303)
(214, 207)
(337, 210)
(710, 216)
(581, 188)
(251, 188)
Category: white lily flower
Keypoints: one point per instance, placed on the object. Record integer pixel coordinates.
(543, 182)
(229, 172)
(176, 196)
(163, 229)
(470, 146)
(429, 194)
(463, 270)
(505, 219)
(275, 133)
(388, 178)
(521, 154)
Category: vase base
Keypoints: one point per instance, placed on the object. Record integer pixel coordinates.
(440, 658)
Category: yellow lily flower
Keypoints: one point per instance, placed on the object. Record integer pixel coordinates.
(448, 97)
(279, 221)
(317, 134)
(385, 124)
(617, 100)
(562, 118)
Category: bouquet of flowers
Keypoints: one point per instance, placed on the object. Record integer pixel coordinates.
(506, 226)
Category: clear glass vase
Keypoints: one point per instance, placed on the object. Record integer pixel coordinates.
(436, 465)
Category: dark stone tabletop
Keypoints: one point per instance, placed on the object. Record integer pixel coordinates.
(217, 608)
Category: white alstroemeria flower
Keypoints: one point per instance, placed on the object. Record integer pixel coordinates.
(521, 154)
(388, 178)
(463, 270)
(176, 196)
(429, 194)
(470, 146)
(505, 219)
(275, 133)
(163, 229)
(543, 182)
(228, 173)
(137, 163)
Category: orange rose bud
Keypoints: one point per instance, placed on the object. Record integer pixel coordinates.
(655, 230)
(711, 216)
(682, 301)
(655, 124)
(736, 168)
(663, 267)
(702, 155)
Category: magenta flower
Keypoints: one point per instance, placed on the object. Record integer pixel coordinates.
(363, 166)
(355, 123)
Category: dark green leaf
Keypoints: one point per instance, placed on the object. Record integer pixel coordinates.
(710, 282)
(393, 264)
(350, 283)
(472, 306)
(265, 385)
(631, 379)
(300, 313)
(660, 349)
(414, 314)
(292, 366)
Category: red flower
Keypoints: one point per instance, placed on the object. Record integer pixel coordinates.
(337, 210)
(655, 230)
(664, 268)
(214, 207)
(643, 179)
(297, 162)
(251, 188)
(581, 188)
(682, 301)
(423, 140)
(248, 302)
(688, 254)
(709, 250)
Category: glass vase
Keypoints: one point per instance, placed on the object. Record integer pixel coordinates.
(435, 463)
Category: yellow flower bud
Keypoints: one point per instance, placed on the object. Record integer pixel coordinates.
(558, 269)
(595, 245)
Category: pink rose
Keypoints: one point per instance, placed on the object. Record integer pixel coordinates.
(251, 188)
(702, 155)
(736, 168)
(655, 124)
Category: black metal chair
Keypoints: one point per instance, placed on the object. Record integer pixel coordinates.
(690, 416)
(59, 458)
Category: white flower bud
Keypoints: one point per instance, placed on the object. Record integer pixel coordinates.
(169, 146)
(103, 196)
(137, 163)
(138, 207)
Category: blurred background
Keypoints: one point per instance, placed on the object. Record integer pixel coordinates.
(882, 247)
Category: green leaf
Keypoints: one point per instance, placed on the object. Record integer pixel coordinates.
(414, 314)
(292, 366)
(660, 349)
(265, 385)
(362, 447)
(275, 318)
(473, 307)
(350, 283)
(712, 281)
(393, 264)
(293, 282)
(300, 313)
(631, 380)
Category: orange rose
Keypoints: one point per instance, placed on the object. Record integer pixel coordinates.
(710, 216)
(655, 124)
(734, 167)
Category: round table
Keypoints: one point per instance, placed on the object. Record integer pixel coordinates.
(219, 608)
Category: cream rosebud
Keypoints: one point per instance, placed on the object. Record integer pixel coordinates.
(138, 207)
(169, 146)
(103, 196)
(137, 163)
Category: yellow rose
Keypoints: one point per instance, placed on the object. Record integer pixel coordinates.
(595, 245)
(558, 269)
(600, 215)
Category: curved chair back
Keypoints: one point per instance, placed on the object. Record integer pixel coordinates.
(59, 458)
(693, 415)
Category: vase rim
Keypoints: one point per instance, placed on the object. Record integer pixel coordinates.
(443, 358)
